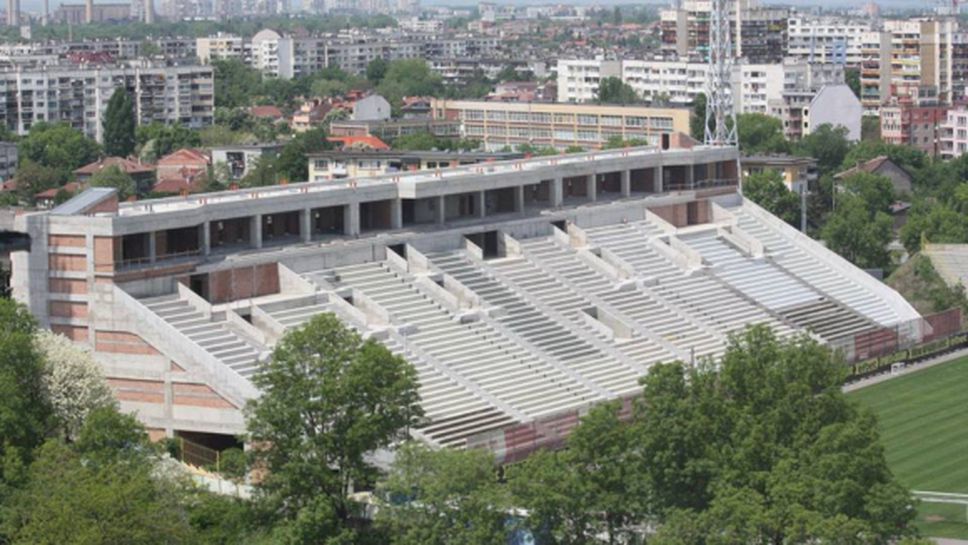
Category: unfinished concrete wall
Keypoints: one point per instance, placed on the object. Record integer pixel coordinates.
(243, 282)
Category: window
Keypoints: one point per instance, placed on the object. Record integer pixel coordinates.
(588, 120)
(321, 164)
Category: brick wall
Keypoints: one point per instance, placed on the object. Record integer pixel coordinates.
(141, 391)
(74, 286)
(105, 250)
(199, 395)
(73, 241)
(65, 262)
(244, 282)
(72, 332)
(68, 309)
(120, 342)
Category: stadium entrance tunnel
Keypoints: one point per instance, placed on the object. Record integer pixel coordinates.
(488, 242)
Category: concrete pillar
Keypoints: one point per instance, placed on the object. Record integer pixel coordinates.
(626, 183)
(255, 231)
(557, 191)
(519, 199)
(657, 180)
(351, 219)
(206, 238)
(482, 207)
(306, 224)
(440, 210)
(592, 191)
(691, 175)
(396, 214)
(152, 247)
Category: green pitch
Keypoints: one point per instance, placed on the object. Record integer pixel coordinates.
(923, 421)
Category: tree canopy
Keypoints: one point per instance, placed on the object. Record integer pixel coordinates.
(113, 176)
(613, 90)
(768, 190)
(119, 124)
(58, 146)
(760, 133)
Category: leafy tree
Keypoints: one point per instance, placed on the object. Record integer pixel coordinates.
(25, 410)
(113, 176)
(613, 90)
(69, 500)
(33, 178)
(57, 146)
(234, 83)
(376, 70)
(445, 497)
(768, 190)
(933, 222)
(870, 128)
(589, 489)
(826, 144)
(575, 149)
(164, 139)
(262, 172)
(857, 233)
(408, 77)
(109, 436)
(416, 141)
(697, 122)
(292, 162)
(328, 399)
(905, 156)
(74, 382)
(852, 79)
(615, 142)
(764, 448)
(875, 190)
(760, 133)
(119, 124)
(508, 73)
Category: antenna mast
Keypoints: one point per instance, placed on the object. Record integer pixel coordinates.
(720, 117)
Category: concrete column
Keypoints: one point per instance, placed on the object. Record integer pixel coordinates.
(396, 214)
(657, 178)
(306, 224)
(626, 183)
(691, 175)
(557, 191)
(206, 238)
(152, 247)
(351, 219)
(255, 231)
(519, 199)
(592, 191)
(440, 210)
(482, 208)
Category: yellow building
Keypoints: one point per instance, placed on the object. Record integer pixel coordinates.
(545, 124)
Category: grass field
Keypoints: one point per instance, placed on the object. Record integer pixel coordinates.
(923, 421)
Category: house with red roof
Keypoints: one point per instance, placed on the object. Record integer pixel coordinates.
(359, 142)
(142, 173)
(47, 199)
(272, 113)
(182, 171)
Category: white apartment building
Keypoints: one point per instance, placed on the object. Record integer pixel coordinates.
(578, 79)
(221, 47)
(827, 39)
(954, 134)
(78, 95)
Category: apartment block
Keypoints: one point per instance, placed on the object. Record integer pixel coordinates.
(508, 124)
(759, 33)
(914, 121)
(578, 79)
(78, 95)
(802, 111)
(221, 47)
(954, 133)
(827, 39)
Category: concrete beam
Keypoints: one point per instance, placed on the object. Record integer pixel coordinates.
(255, 231)
(306, 224)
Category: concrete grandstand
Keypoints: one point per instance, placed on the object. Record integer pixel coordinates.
(523, 292)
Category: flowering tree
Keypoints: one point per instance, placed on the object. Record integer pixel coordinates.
(73, 380)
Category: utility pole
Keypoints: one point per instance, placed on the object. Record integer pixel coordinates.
(720, 116)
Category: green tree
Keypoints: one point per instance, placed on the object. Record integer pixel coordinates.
(858, 234)
(697, 122)
(765, 448)
(905, 156)
(590, 489)
(292, 162)
(235, 83)
(376, 70)
(826, 144)
(262, 172)
(416, 141)
(68, 500)
(164, 139)
(613, 90)
(119, 124)
(25, 411)
(113, 176)
(759, 133)
(408, 77)
(768, 190)
(615, 142)
(870, 128)
(58, 146)
(33, 178)
(852, 78)
(328, 399)
(933, 222)
(876, 191)
(445, 497)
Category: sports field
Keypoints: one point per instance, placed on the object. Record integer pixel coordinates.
(923, 420)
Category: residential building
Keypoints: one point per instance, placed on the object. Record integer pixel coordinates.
(759, 33)
(836, 40)
(803, 111)
(900, 178)
(78, 94)
(364, 163)
(222, 47)
(509, 124)
(371, 108)
(143, 174)
(390, 129)
(77, 14)
(914, 121)
(799, 174)
(183, 166)
(578, 79)
(241, 158)
(954, 133)
(8, 160)
(599, 253)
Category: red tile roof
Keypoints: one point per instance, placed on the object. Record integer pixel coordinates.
(272, 112)
(371, 142)
(185, 156)
(130, 166)
(70, 187)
